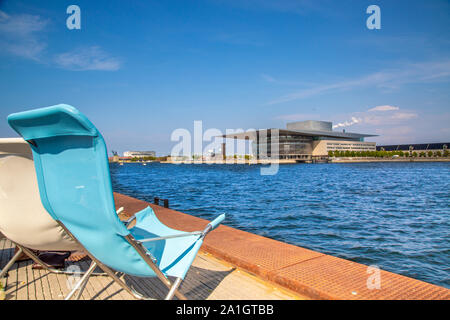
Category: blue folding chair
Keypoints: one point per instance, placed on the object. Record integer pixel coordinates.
(74, 182)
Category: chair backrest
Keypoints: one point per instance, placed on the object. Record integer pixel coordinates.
(23, 219)
(72, 170)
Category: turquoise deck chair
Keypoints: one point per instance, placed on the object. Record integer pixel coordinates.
(74, 182)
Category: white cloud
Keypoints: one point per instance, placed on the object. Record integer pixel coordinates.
(21, 35)
(91, 58)
(387, 117)
(403, 115)
(395, 135)
(380, 116)
(383, 108)
(390, 79)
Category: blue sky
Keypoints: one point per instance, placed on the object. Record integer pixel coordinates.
(141, 69)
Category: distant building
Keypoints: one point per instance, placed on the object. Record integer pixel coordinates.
(303, 140)
(139, 154)
(419, 147)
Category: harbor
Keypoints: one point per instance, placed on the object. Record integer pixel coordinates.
(262, 153)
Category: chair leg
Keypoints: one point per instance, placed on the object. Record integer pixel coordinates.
(11, 262)
(111, 273)
(82, 283)
(49, 268)
(180, 295)
(173, 289)
(128, 289)
(143, 253)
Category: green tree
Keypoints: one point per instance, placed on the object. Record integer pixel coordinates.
(430, 153)
(414, 154)
(438, 154)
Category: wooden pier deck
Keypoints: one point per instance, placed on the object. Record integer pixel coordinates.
(209, 278)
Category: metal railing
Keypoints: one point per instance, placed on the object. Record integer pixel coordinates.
(165, 202)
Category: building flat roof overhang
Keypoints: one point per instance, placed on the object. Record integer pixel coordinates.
(251, 135)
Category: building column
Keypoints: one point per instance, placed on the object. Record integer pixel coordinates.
(257, 145)
(224, 150)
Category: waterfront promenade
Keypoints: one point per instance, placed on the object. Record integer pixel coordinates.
(234, 264)
(392, 160)
(315, 160)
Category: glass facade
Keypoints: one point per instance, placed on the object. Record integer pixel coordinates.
(287, 146)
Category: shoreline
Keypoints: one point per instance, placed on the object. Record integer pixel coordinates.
(354, 160)
(293, 161)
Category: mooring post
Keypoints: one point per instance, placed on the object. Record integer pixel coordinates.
(166, 203)
(156, 201)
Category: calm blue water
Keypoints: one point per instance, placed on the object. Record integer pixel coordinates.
(394, 215)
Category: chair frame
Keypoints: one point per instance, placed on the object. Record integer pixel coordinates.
(35, 258)
(146, 256)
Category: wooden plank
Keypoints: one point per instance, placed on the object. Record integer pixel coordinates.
(10, 280)
(22, 287)
(88, 291)
(58, 286)
(151, 288)
(4, 258)
(112, 290)
(102, 287)
(38, 284)
(31, 284)
(97, 284)
(45, 286)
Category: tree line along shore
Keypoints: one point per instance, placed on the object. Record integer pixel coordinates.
(389, 154)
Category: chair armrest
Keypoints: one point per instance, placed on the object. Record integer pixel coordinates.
(213, 224)
(128, 221)
(188, 234)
